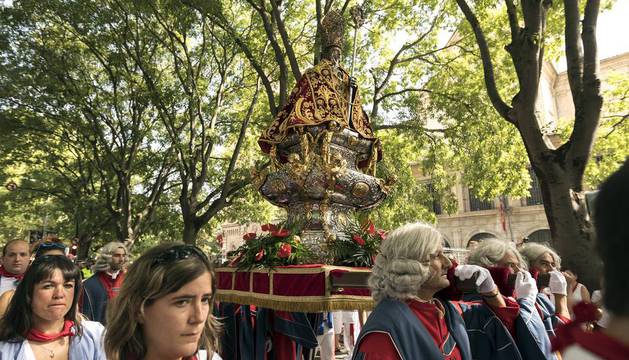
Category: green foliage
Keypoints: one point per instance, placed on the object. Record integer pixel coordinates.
(357, 245)
(408, 199)
(611, 146)
(98, 99)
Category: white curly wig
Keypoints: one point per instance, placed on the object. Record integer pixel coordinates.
(533, 251)
(400, 268)
(103, 261)
(489, 252)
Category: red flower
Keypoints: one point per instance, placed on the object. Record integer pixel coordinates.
(249, 236)
(236, 260)
(269, 227)
(285, 251)
(371, 228)
(382, 234)
(219, 239)
(260, 255)
(358, 240)
(280, 233)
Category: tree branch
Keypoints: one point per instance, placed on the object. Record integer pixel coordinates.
(573, 49)
(241, 137)
(488, 69)
(290, 53)
(588, 110)
(279, 54)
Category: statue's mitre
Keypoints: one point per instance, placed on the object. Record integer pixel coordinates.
(333, 28)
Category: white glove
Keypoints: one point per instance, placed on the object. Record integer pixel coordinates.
(525, 286)
(557, 283)
(484, 282)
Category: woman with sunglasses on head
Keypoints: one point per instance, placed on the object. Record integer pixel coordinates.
(41, 249)
(49, 248)
(164, 309)
(42, 320)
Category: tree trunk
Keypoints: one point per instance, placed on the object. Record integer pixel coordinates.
(571, 230)
(190, 231)
(84, 244)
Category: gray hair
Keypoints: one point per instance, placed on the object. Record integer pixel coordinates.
(400, 268)
(489, 253)
(533, 251)
(103, 261)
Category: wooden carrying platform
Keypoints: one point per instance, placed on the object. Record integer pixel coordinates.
(298, 288)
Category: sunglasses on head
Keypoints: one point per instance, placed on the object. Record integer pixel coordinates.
(179, 252)
(51, 245)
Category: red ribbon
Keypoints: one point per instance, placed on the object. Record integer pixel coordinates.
(36, 335)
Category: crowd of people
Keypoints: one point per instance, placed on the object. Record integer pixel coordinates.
(505, 302)
(162, 309)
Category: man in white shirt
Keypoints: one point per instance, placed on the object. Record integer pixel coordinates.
(15, 258)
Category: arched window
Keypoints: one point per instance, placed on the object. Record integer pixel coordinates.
(477, 238)
(540, 236)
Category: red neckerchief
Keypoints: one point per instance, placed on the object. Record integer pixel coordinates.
(5, 273)
(112, 286)
(36, 335)
(597, 343)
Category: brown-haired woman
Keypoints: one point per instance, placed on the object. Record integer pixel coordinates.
(42, 320)
(164, 308)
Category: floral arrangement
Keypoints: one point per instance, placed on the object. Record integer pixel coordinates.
(358, 245)
(277, 245)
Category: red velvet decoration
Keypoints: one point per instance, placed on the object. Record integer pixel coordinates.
(242, 281)
(299, 284)
(224, 280)
(261, 283)
(293, 281)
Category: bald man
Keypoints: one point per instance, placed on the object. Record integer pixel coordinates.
(15, 257)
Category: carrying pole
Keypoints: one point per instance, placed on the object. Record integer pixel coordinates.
(357, 16)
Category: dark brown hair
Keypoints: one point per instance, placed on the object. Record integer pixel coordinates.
(612, 237)
(18, 319)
